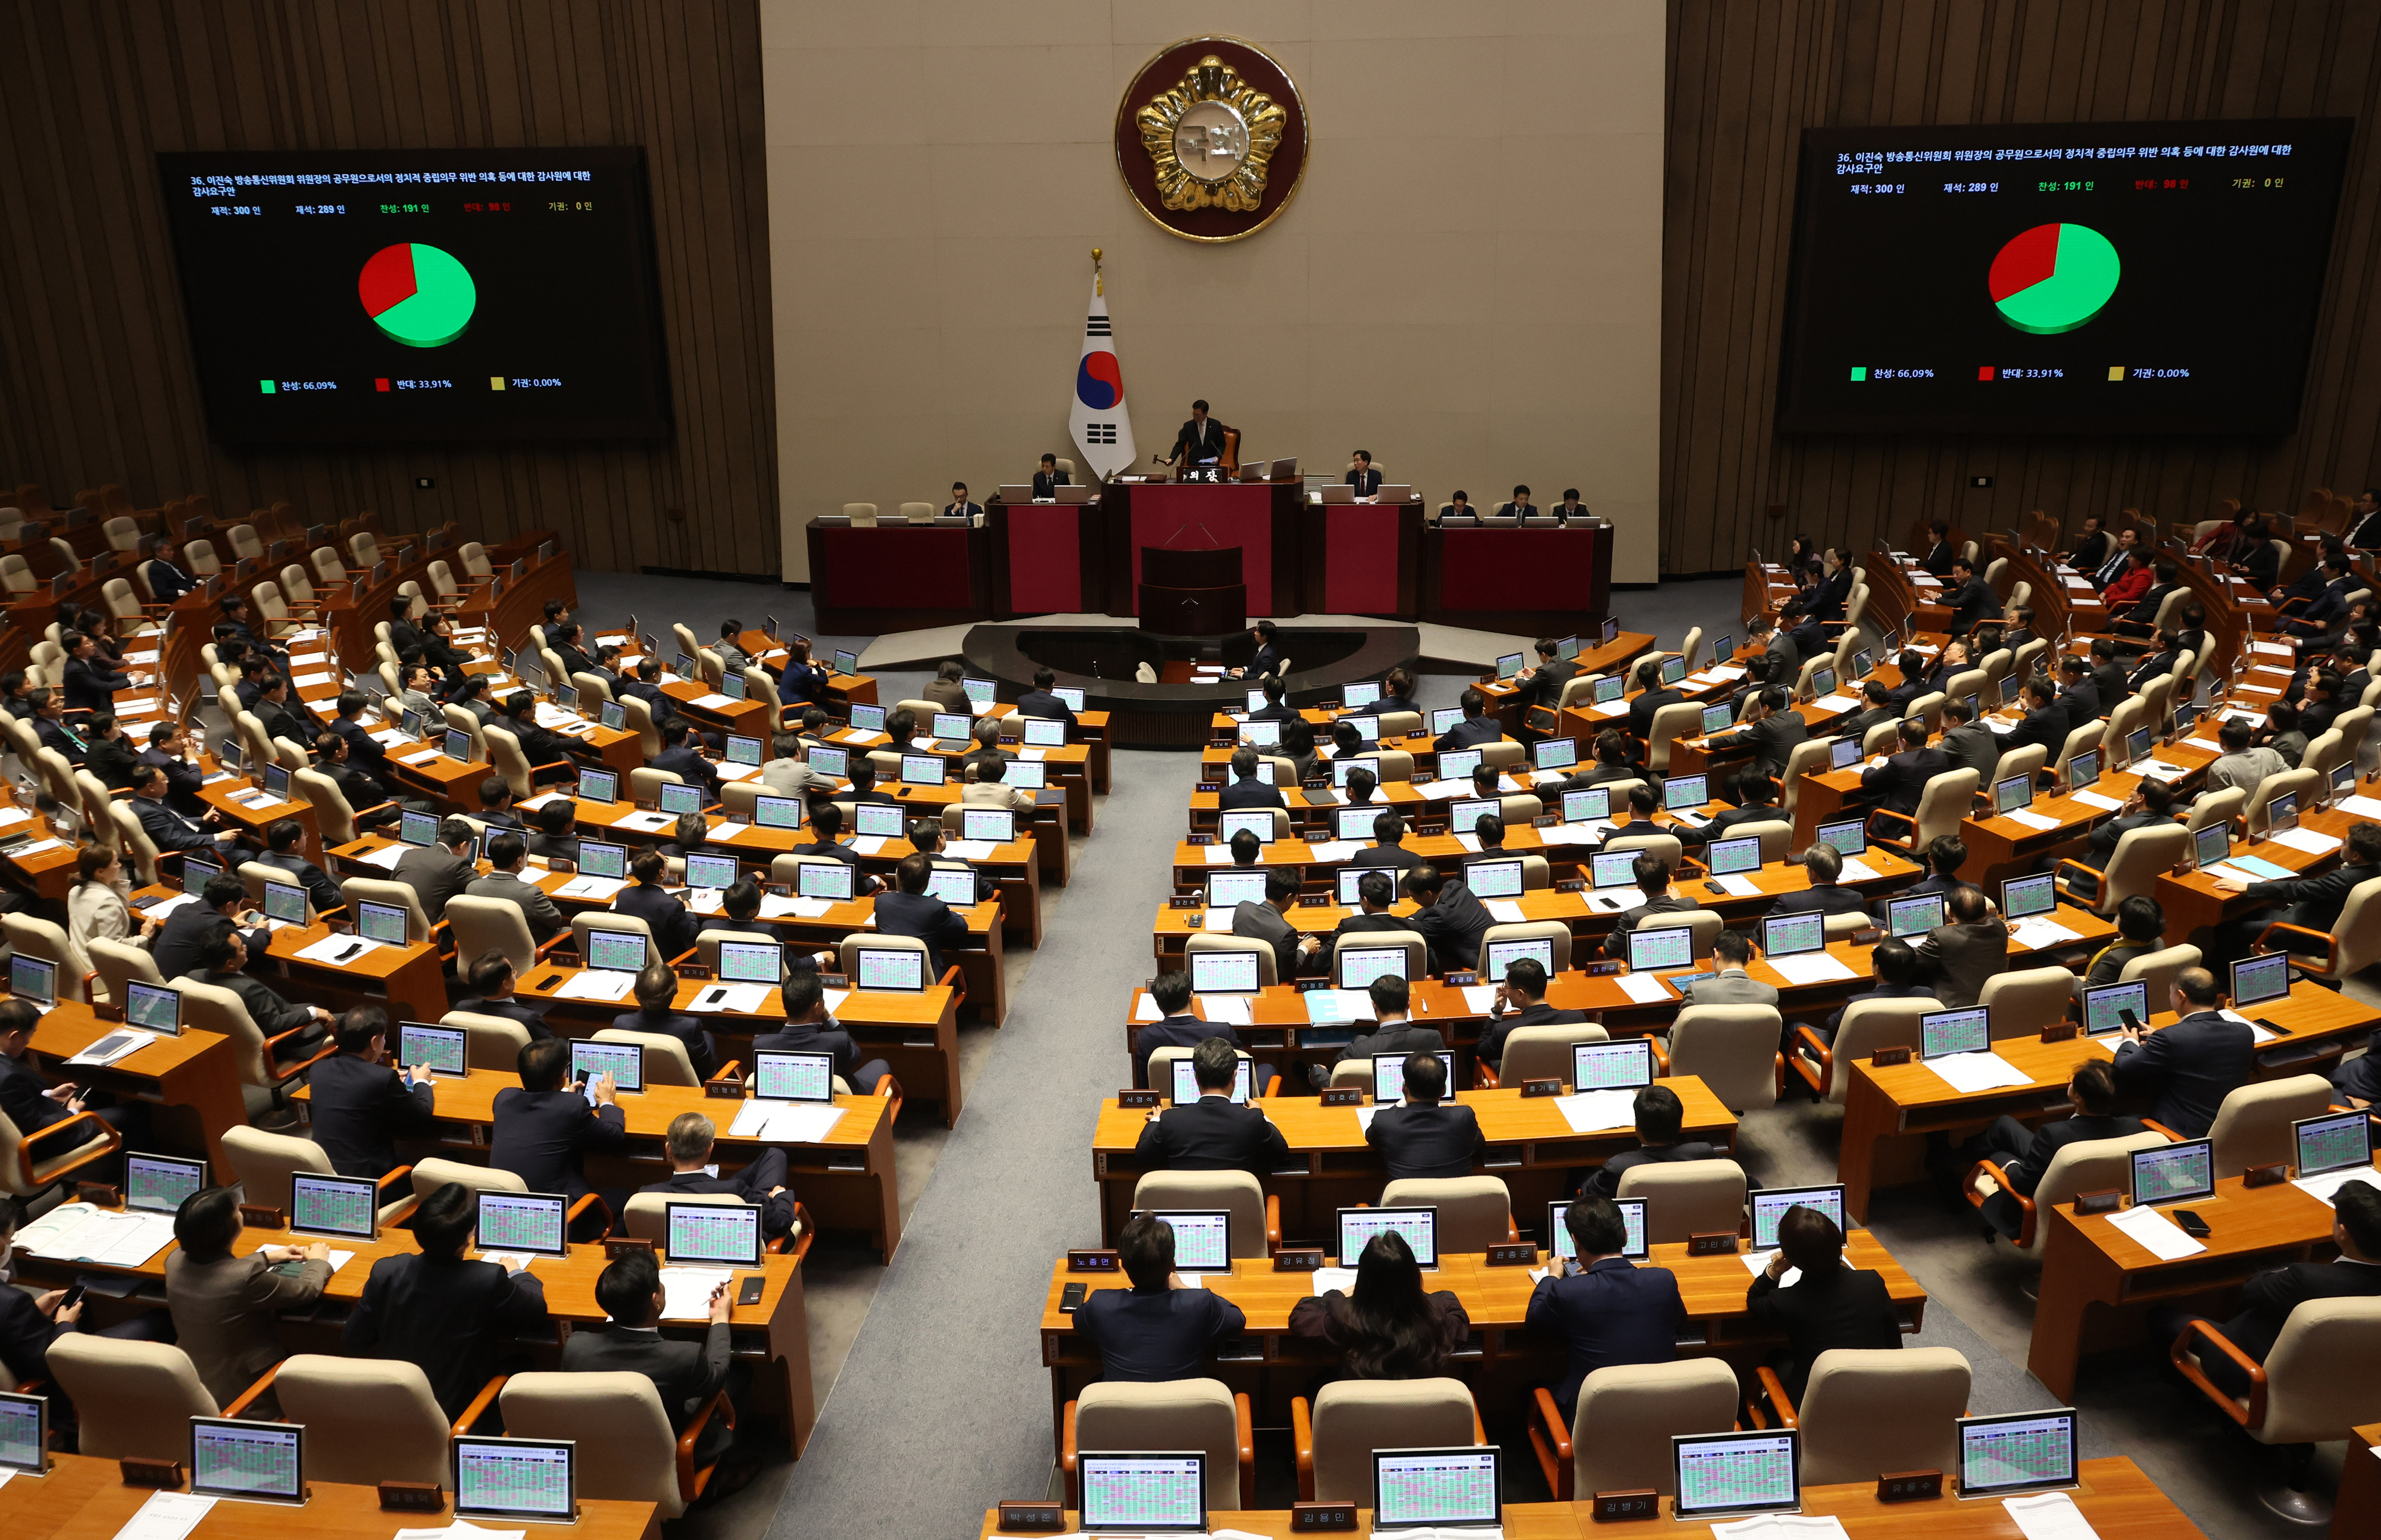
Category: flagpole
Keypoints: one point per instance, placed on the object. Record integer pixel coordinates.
(1098, 284)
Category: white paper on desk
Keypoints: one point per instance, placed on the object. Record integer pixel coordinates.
(9, 820)
(127, 1239)
(38, 846)
(389, 738)
(593, 983)
(1216, 921)
(1781, 1526)
(159, 911)
(2271, 649)
(773, 907)
(1834, 703)
(2093, 799)
(1507, 910)
(2327, 1186)
(1646, 989)
(1218, 855)
(2364, 807)
(1727, 671)
(736, 999)
(711, 701)
(970, 850)
(149, 657)
(1741, 886)
(1478, 997)
(1144, 1009)
(1035, 754)
(648, 823)
(1590, 1112)
(2049, 1516)
(165, 1515)
(706, 900)
(589, 887)
(138, 708)
(1811, 968)
(835, 999)
(2310, 840)
(2000, 725)
(1329, 1007)
(1471, 843)
(1610, 708)
(2153, 1232)
(860, 735)
(868, 844)
(802, 1122)
(302, 680)
(1969, 1073)
(1857, 870)
(336, 949)
(423, 758)
(2031, 819)
(1332, 851)
(728, 829)
(2033, 932)
(2257, 1034)
(686, 1291)
(122, 1043)
(1364, 1116)
(751, 1118)
(1226, 1010)
(1445, 791)
(539, 802)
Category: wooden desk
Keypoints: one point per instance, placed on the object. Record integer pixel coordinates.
(193, 1077)
(35, 1508)
(2356, 1513)
(1531, 1146)
(2193, 904)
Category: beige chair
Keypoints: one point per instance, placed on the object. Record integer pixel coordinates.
(2021, 1004)
(1670, 723)
(1335, 1437)
(1667, 846)
(1870, 1410)
(1416, 948)
(645, 783)
(489, 1042)
(474, 557)
(1868, 1025)
(1540, 1052)
(493, 925)
(605, 919)
(1120, 1416)
(123, 534)
(2027, 760)
(1209, 942)
(646, 1217)
(266, 1064)
(2322, 1378)
(118, 962)
(1776, 835)
(1688, 1197)
(666, 1061)
(24, 1177)
(133, 1401)
(37, 937)
(1553, 931)
(367, 1420)
(1942, 805)
(627, 1452)
(2252, 1126)
(418, 926)
(2141, 856)
(264, 1163)
(1474, 1213)
(2158, 971)
(429, 1176)
(1256, 1215)
(2084, 1166)
(2306, 784)
(1619, 1439)
(2350, 952)
(1162, 1062)
(199, 556)
(862, 515)
(1734, 1050)
(2216, 807)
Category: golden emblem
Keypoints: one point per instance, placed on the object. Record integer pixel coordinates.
(1210, 137)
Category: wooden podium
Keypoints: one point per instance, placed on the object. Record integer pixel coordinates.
(1192, 592)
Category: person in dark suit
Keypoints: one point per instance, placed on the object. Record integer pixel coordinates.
(1396, 692)
(2150, 805)
(1376, 894)
(1245, 789)
(1894, 964)
(1972, 599)
(364, 753)
(360, 1105)
(958, 506)
(1968, 744)
(1265, 660)
(687, 1374)
(2312, 904)
(1652, 874)
(1758, 805)
(1199, 441)
(1450, 918)
(1521, 1002)
(1040, 701)
(1661, 1119)
(30, 1322)
(655, 988)
(550, 839)
(1426, 1135)
(1049, 479)
(2092, 547)
(1214, 1134)
(1829, 1305)
(2188, 1069)
(1161, 1328)
(646, 898)
(2364, 527)
(911, 910)
(450, 1315)
(365, 796)
(810, 1029)
(1827, 599)
(679, 756)
(1178, 1028)
(281, 839)
(1477, 727)
(223, 899)
(1389, 830)
(1269, 921)
(1969, 947)
(223, 956)
(437, 873)
(1387, 1326)
(2109, 684)
(1542, 685)
(169, 751)
(284, 716)
(1362, 476)
(2140, 930)
(110, 756)
(170, 830)
(1393, 1030)
(2045, 721)
(760, 1183)
(826, 824)
(89, 684)
(1608, 1309)
(33, 1103)
(1877, 713)
(1636, 815)
(1270, 685)
(1519, 507)
(2078, 699)
(544, 1128)
(551, 756)
(2268, 1296)
(1652, 696)
(492, 980)
(2024, 1155)
(508, 853)
(1897, 781)
(1824, 864)
(1771, 734)
(1939, 554)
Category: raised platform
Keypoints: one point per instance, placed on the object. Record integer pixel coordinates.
(1102, 662)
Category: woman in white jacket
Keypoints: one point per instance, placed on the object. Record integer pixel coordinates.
(95, 906)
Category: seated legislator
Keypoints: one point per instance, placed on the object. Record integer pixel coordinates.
(169, 750)
(1894, 965)
(1387, 1326)
(34, 1102)
(1396, 692)
(1897, 781)
(1541, 683)
(1389, 830)
(648, 898)
(1451, 918)
(1823, 863)
(810, 1029)
(2268, 1296)
(1521, 1002)
(360, 1105)
(789, 773)
(1268, 919)
(1179, 1029)
(826, 827)
(2140, 930)
(225, 898)
(227, 1309)
(1968, 948)
(440, 870)
(1393, 1030)
(111, 756)
(95, 905)
(1570, 508)
(1652, 874)
(1214, 1134)
(2188, 1069)
(1945, 854)
(801, 682)
(1652, 696)
(171, 830)
(549, 752)
(1757, 803)
(1161, 1328)
(448, 1315)
(496, 806)
(688, 1374)
(1361, 474)
(1972, 599)
(1829, 1306)
(554, 838)
(1605, 1307)
(990, 788)
(223, 956)
(913, 910)
(1968, 744)
(1771, 734)
(761, 1183)
(1426, 1134)
(1733, 985)
(281, 852)
(683, 758)
(1834, 589)
(1612, 763)
(544, 1128)
(492, 980)
(2241, 765)
(2026, 1154)
(1049, 479)
(1660, 1119)
(1042, 700)
(50, 727)
(655, 989)
(1272, 710)
(2313, 903)
(1267, 660)
(365, 793)
(1376, 894)
(508, 853)
(945, 688)
(1477, 727)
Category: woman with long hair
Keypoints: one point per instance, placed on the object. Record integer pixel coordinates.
(1389, 1327)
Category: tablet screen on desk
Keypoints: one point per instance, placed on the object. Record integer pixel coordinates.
(1914, 916)
(2257, 979)
(1457, 765)
(617, 951)
(677, 799)
(1495, 879)
(1769, 1205)
(1355, 823)
(752, 962)
(893, 969)
(344, 1207)
(1223, 973)
(157, 1184)
(2023, 898)
(1587, 802)
(1143, 1494)
(2174, 1173)
(1417, 1227)
(996, 824)
(1389, 1075)
(1504, 954)
(24, 1433)
(1256, 821)
(532, 1222)
(1843, 754)
(1030, 774)
(153, 1008)
(2019, 1451)
(1185, 1088)
(823, 878)
(440, 1050)
(1463, 815)
(1203, 1238)
(1447, 1489)
(417, 828)
(1627, 1065)
(793, 1076)
(383, 922)
(1787, 934)
(516, 1478)
(625, 1062)
(602, 787)
(721, 1234)
(828, 761)
(867, 719)
(2105, 1006)
(953, 886)
(1632, 1214)
(1613, 868)
(715, 873)
(600, 859)
(1555, 753)
(1944, 1033)
(878, 820)
(1737, 1473)
(1362, 693)
(239, 1459)
(1358, 966)
(2335, 1141)
(1727, 856)
(1230, 890)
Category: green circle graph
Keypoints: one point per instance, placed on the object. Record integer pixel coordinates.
(2054, 277)
(418, 295)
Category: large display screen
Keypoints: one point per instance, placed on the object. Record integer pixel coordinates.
(2083, 278)
(419, 294)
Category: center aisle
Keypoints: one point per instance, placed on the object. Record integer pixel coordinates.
(944, 1406)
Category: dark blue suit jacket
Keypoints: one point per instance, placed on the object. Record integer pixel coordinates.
(1252, 793)
(2188, 1068)
(925, 916)
(1614, 1312)
(359, 1110)
(1443, 1140)
(1156, 1334)
(446, 1314)
(672, 925)
(540, 1136)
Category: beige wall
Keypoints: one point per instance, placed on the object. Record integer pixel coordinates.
(1468, 283)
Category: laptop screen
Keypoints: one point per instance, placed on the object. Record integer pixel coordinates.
(1627, 1065)
(1185, 1089)
(1358, 966)
(1914, 916)
(1726, 856)
(1495, 879)
(1389, 1075)
(625, 1062)
(1363, 692)
(344, 1206)
(1588, 803)
(285, 902)
(1843, 752)
(2257, 979)
(1033, 775)
(153, 1006)
(867, 719)
(1445, 717)
(617, 951)
(1504, 954)
(238, 1459)
(1555, 753)
(602, 859)
(381, 922)
(1457, 765)
(1848, 838)
(889, 968)
(953, 885)
(752, 962)
(2025, 896)
(1785, 934)
(1770, 1203)
(1944, 1033)
(722, 1234)
(997, 825)
(1225, 972)
(417, 828)
(712, 872)
(1418, 1227)
(1737, 1473)
(2104, 1007)
(1203, 1238)
(742, 749)
(1461, 816)
(2335, 1141)
(1670, 946)
(1143, 1494)
(1632, 1214)
(2017, 1451)
(440, 1050)
(599, 785)
(516, 1478)
(824, 879)
(1435, 1487)
(24, 1433)
(846, 663)
(876, 820)
(953, 724)
(2011, 794)
(159, 1184)
(1257, 821)
(1508, 665)
(1226, 889)
(793, 1076)
(531, 1222)
(2174, 1173)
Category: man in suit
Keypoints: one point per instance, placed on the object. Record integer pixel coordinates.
(1828, 1305)
(2188, 1069)
(33, 1103)
(958, 506)
(2150, 805)
(1608, 1309)
(1804, 630)
(1894, 964)
(1834, 589)
(1451, 919)
(1178, 1028)
(2140, 930)
(1652, 874)
(451, 1315)
(1161, 1328)
(169, 750)
(1968, 744)
(2046, 720)
(2109, 684)
(550, 839)
(1362, 476)
(1246, 790)
(223, 899)
(1376, 894)
(550, 754)
(810, 1029)
(506, 854)
(1652, 696)
(1898, 780)
(281, 839)
(1041, 700)
(1972, 599)
(1477, 727)
(90, 684)
(50, 727)
(1214, 1134)
(284, 716)
(1389, 831)
(360, 1105)
(1570, 508)
(1460, 507)
(648, 900)
(1732, 985)
(2092, 547)
(1542, 685)
(544, 1127)
(680, 757)
(2077, 699)
(1521, 1002)
(687, 1374)
(2024, 1155)
(909, 910)
(222, 953)
(1268, 922)
(1637, 818)
(762, 1182)
(2364, 528)
(1971, 946)
(170, 829)
(365, 796)
(654, 989)
(2241, 765)
(491, 978)
(1049, 479)
(363, 752)
(1519, 507)
(1199, 441)
(1824, 864)
(1939, 554)
(1426, 1135)
(1758, 805)
(228, 1308)
(2268, 1296)
(1271, 688)
(827, 826)
(1877, 713)
(1394, 1031)
(437, 873)
(2312, 904)
(1912, 666)
(1772, 733)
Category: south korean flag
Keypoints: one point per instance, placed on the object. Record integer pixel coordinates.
(1097, 417)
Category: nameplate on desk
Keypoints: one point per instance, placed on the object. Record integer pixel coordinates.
(2272, 1174)
(1545, 820)
(1198, 839)
(1297, 1259)
(835, 981)
(1902, 1486)
(98, 1194)
(1712, 1243)
(1884, 1058)
(1343, 1095)
(1094, 1259)
(261, 1216)
(731, 1089)
(1135, 1100)
(2060, 1032)
(1549, 1086)
(618, 1247)
(1867, 937)
(1307, 987)
(1572, 884)
(1619, 1507)
(166, 1474)
(1603, 969)
(1513, 1254)
(1462, 978)
(1026, 1518)
(1318, 1518)
(107, 1013)
(2106, 1200)
(1185, 900)
(412, 1496)
(1316, 901)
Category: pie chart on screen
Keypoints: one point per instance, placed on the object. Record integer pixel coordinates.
(418, 295)
(2054, 277)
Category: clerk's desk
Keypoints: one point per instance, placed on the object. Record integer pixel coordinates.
(848, 1181)
(85, 1499)
(1888, 1112)
(2115, 1497)
(773, 1336)
(1531, 1146)
(192, 1078)
(1504, 1354)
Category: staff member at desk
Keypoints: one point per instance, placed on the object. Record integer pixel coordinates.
(1246, 790)
(1267, 657)
(1541, 685)
(2268, 1298)
(959, 507)
(1829, 1306)
(444, 1313)
(1608, 1309)
(1049, 479)
(1519, 507)
(360, 1104)
(1214, 1134)
(1361, 474)
(1161, 1328)
(1041, 700)
(2188, 1069)
(1772, 734)
(543, 1130)
(1199, 441)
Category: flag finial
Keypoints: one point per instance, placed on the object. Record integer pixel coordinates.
(1098, 286)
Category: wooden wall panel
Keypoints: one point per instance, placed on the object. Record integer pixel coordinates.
(96, 382)
(1747, 76)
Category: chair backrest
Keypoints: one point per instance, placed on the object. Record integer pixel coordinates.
(329, 570)
(368, 1420)
(646, 1217)
(1543, 1053)
(2141, 856)
(1942, 805)
(123, 534)
(117, 963)
(1808, 758)
(264, 1162)
(1667, 846)
(2021, 1004)
(481, 924)
(2214, 807)
(627, 1452)
(1868, 1026)
(2088, 736)
(431, 1175)
(1776, 836)
(1733, 1048)
(133, 1401)
(1687, 1197)
(848, 954)
(1416, 946)
(1353, 1417)
(331, 810)
(489, 1042)
(666, 1061)
(2356, 934)
(35, 936)
(1670, 722)
(505, 753)
(1267, 968)
(211, 1009)
(2027, 760)
(1691, 645)
(380, 890)
(1553, 931)
(1868, 1411)
(2157, 969)
(199, 556)
(2323, 1377)
(1236, 1191)
(2085, 1165)
(2306, 784)
(246, 545)
(1474, 1213)
(1166, 1415)
(1629, 1413)
(16, 573)
(2252, 1126)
